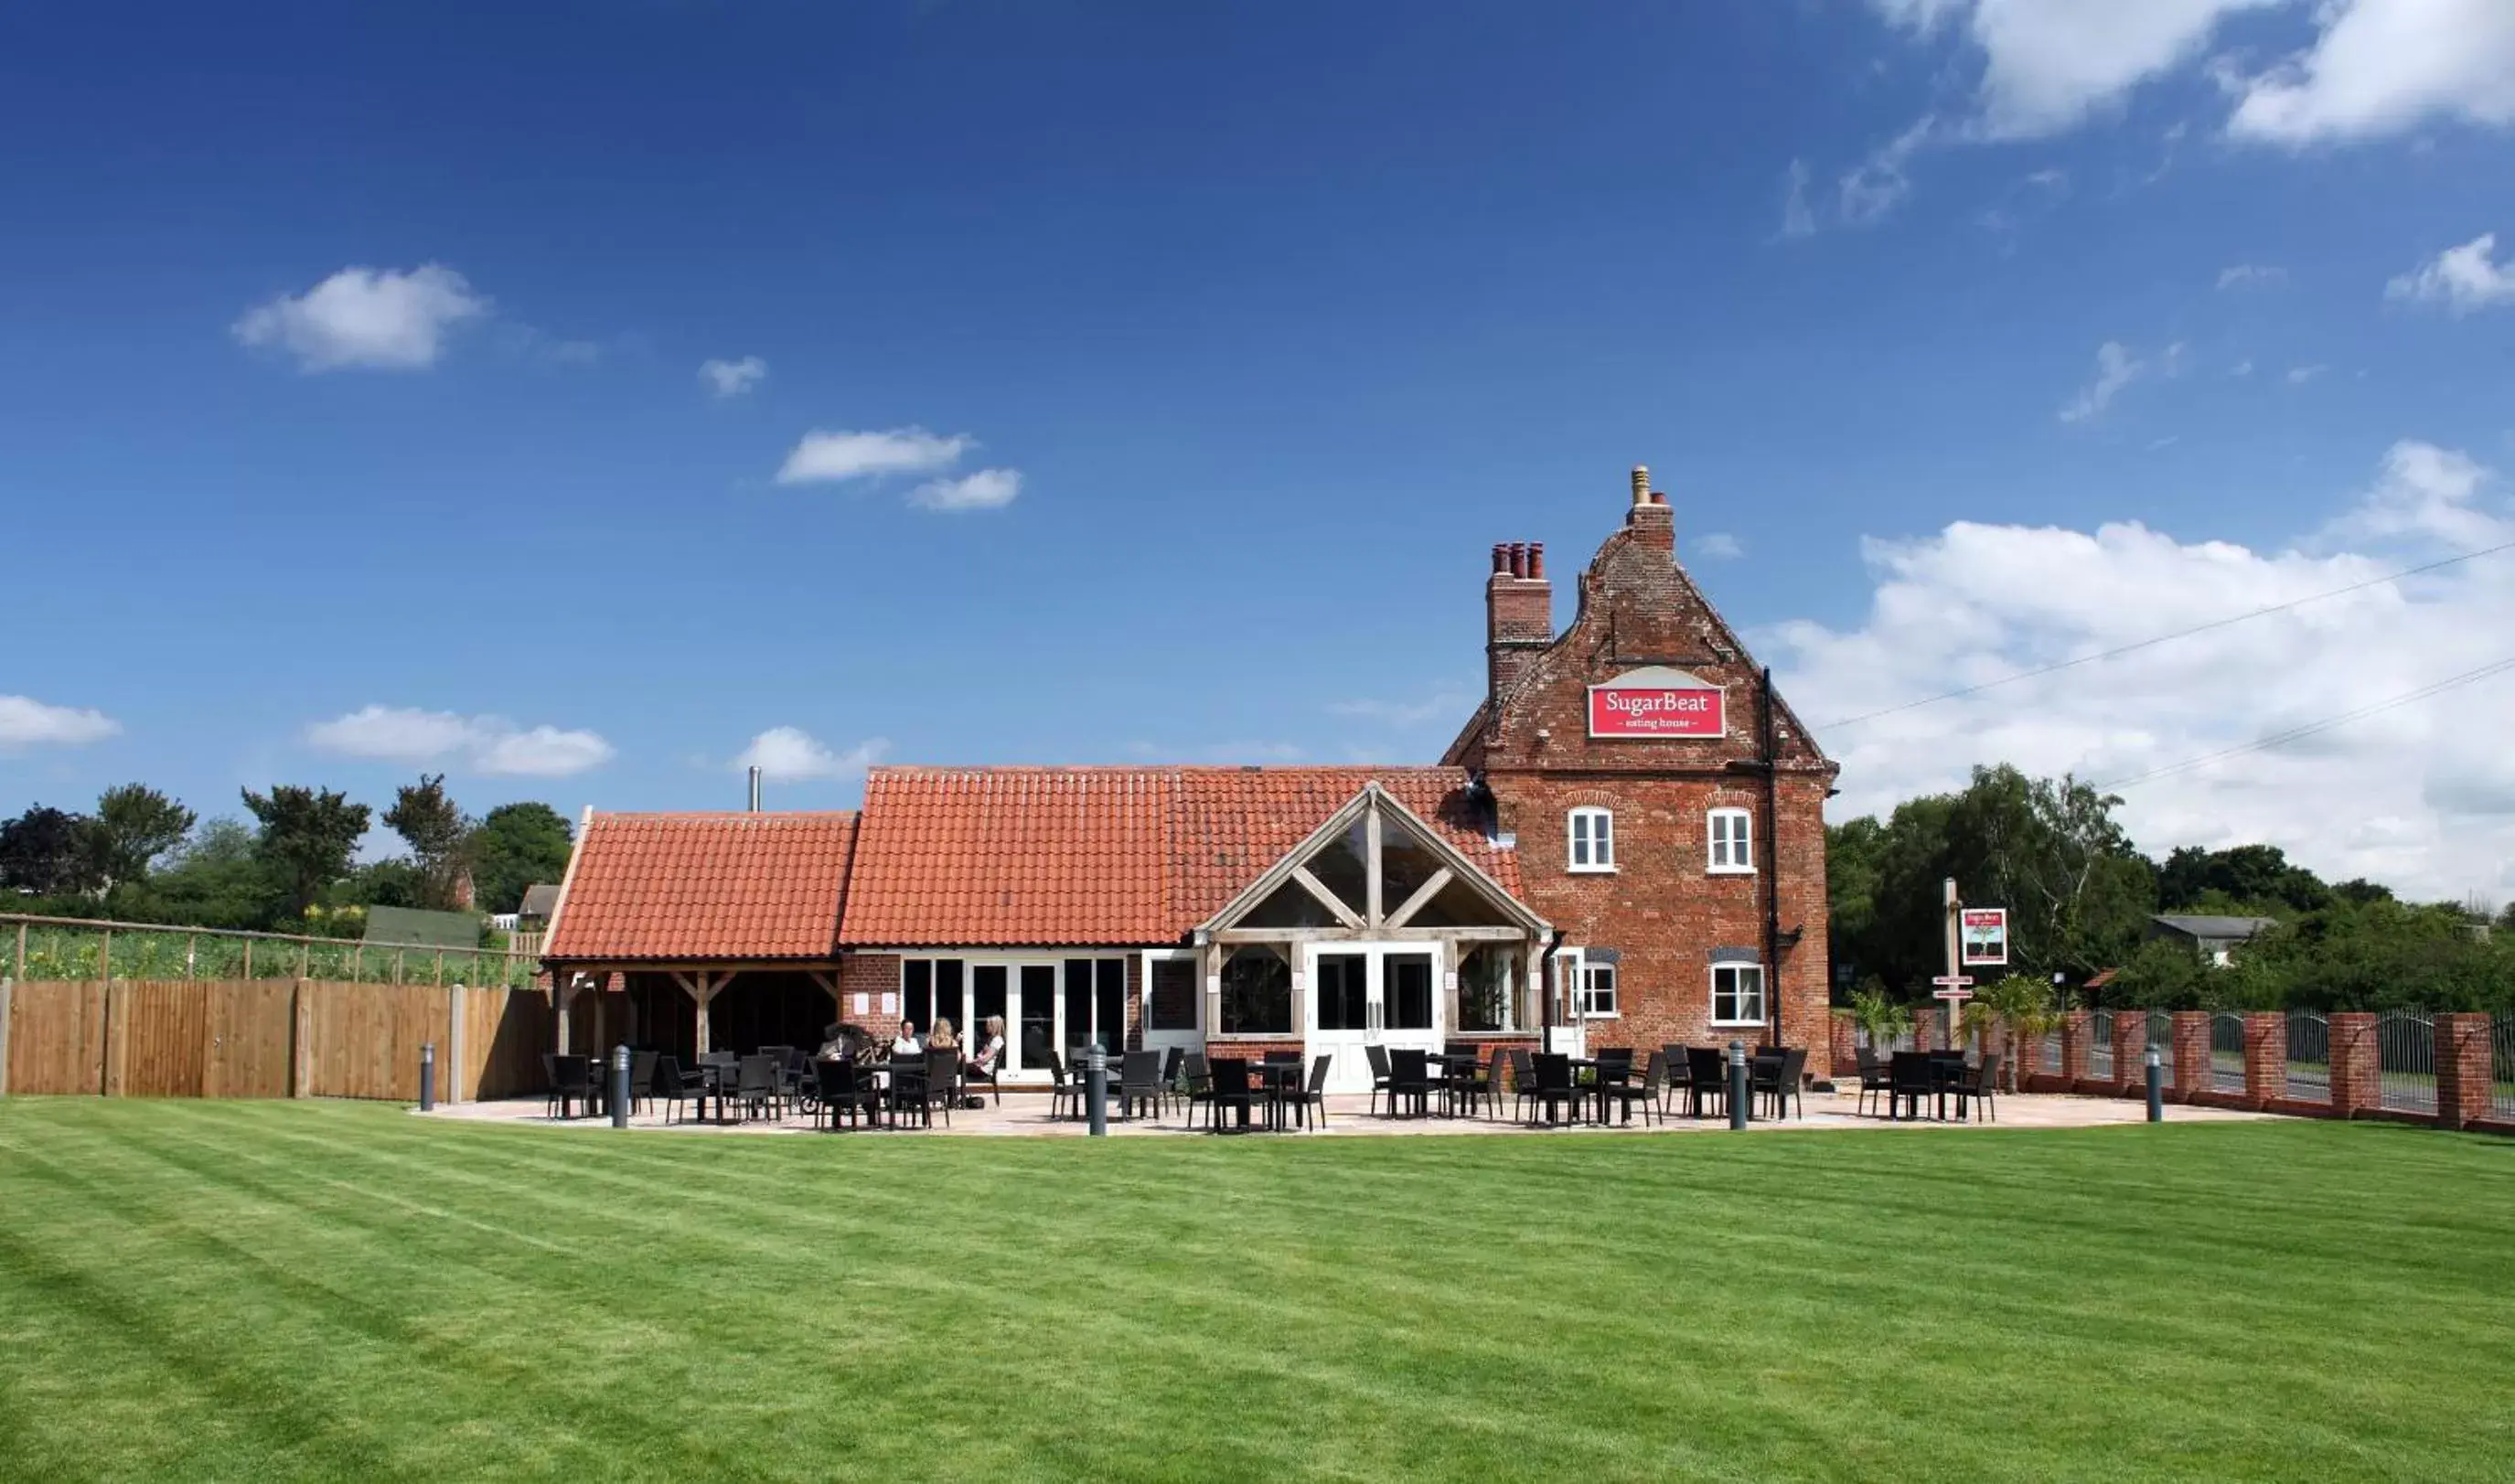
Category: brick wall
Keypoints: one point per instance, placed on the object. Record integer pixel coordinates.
(2463, 1071)
(2130, 1052)
(2190, 1047)
(2078, 1030)
(2357, 1077)
(2265, 1058)
(1663, 908)
(872, 974)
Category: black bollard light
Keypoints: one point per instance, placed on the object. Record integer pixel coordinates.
(427, 1075)
(1095, 1063)
(2155, 1089)
(1739, 1108)
(620, 1086)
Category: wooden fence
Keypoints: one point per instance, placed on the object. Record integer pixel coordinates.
(269, 1038)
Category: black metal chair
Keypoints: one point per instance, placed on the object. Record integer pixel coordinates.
(671, 1084)
(910, 1090)
(942, 1084)
(1555, 1085)
(1064, 1088)
(1172, 1061)
(760, 1086)
(1778, 1078)
(1229, 1076)
(1647, 1094)
(1195, 1084)
(1680, 1075)
(1982, 1083)
(846, 1090)
(1377, 1057)
(1874, 1081)
(1523, 1081)
(1615, 1068)
(1314, 1092)
(1140, 1083)
(1707, 1076)
(572, 1081)
(1409, 1080)
(1910, 1076)
(1467, 1083)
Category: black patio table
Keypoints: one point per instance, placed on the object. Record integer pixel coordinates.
(1457, 1076)
(1276, 1079)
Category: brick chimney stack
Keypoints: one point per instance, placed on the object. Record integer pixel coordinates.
(1650, 519)
(1520, 612)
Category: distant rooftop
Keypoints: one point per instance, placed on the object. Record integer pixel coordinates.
(2204, 926)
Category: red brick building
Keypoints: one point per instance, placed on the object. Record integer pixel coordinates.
(1624, 846)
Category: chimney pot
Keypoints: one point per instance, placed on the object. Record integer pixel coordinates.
(1519, 558)
(1501, 558)
(1642, 485)
(1536, 560)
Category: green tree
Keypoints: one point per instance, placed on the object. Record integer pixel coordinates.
(306, 836)
(516, 846)
(134, 826)
(49, 853)
(2249, 879)
(439, 838)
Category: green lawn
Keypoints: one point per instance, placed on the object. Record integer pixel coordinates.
(264, 1291)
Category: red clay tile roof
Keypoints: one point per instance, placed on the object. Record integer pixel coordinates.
(1103, 855)
(738, 886)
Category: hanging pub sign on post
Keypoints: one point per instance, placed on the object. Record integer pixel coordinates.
(1983, 933)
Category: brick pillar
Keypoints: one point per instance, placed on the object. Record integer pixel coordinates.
(1840, 1041)
(2131, 1053)
(2357, 1078)
(2461, 1069)
(2189, 1049)
(2265, 1058)
(1925, 1027)
(2075, 1032)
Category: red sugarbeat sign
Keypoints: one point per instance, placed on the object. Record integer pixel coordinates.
(1669, 702)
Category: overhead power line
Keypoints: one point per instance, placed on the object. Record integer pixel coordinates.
(2162, 638)
(2278, 739)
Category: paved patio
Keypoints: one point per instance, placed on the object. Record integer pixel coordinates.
(1025, 1115)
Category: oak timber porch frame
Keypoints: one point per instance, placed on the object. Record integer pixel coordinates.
(700, 979)
(1378, 812)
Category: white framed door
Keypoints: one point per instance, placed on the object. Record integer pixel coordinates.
(1173, 1011)
(1362, 995)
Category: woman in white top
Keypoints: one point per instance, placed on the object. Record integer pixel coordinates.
(906, 1044)
(991, 1048)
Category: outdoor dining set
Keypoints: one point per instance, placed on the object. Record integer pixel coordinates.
(1909, 1081)
(1275, 1090)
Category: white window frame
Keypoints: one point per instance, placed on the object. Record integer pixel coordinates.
(1589, 991)
(1737, 844)
(1601, 845)
(1761, 987)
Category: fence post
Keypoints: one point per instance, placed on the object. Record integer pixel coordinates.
(118, 1039)
(455, 1020)
(8, 997)
(2463, 1069)
(2076, 1027)
(2130, 1045)
(105, 956)
(2192, 1069)
(301, 1042)
(2357, 1077)
(2265, 1058)
(22, 951)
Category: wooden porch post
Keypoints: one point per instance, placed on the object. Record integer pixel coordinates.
(701, 987)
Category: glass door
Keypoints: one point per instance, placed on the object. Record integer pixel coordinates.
(1363, 995)
(1034, 1015)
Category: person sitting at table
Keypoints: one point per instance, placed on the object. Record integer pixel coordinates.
(906, 1044)
(942, 1038)
(991, 1049)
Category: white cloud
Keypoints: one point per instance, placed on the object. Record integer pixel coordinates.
(1243, 752)
(985, 489)
(789, 754)
(2116, 368)
(25, 722)
(733, 378)
(825, 457)
(489, 745)
(1798, 219)
(2462, 278)
(2381, 66)
(1719, 546)
(378, 318)
(2251, 275)
(2240, 368)
(2372, 68)
(2048, 65)
(1879, 185)
(2299, 376)
(2422, 795)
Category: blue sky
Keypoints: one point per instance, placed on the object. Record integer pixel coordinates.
(1258, 325)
